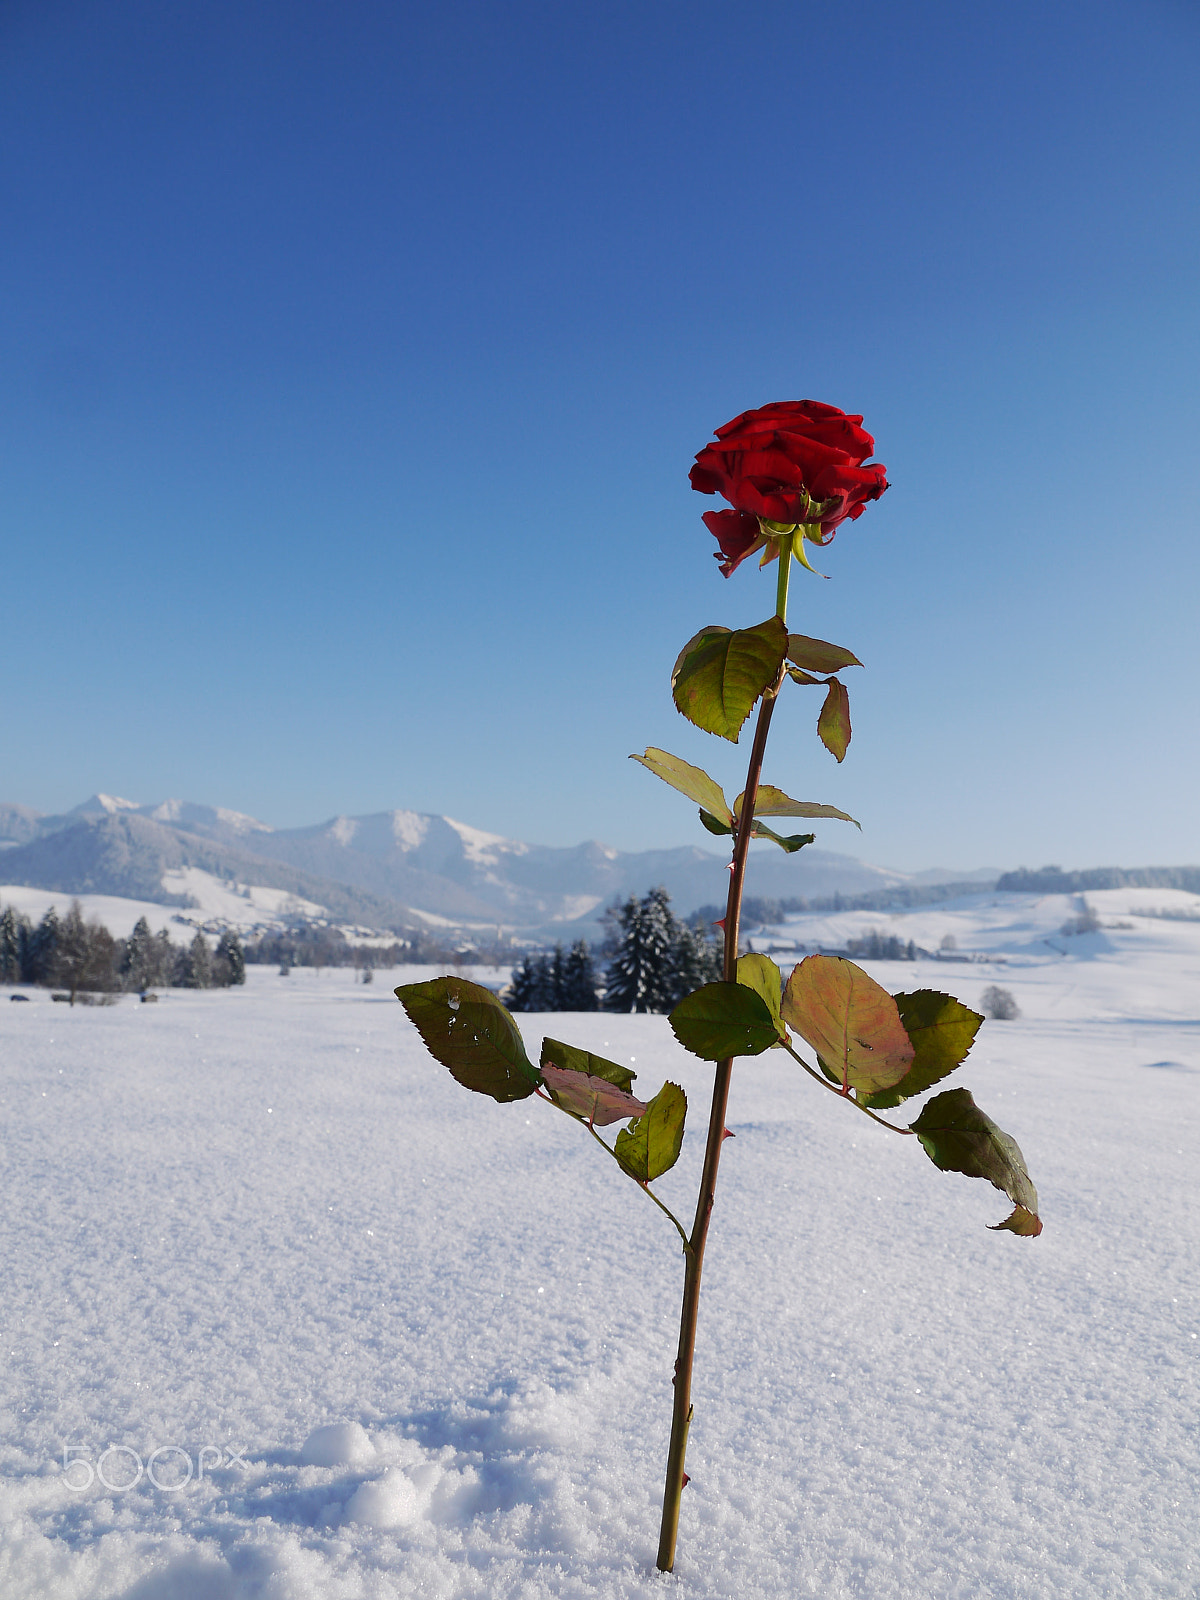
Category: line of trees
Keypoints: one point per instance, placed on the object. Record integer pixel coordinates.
(653, 960)
(83, 958)
(561, 982)
(315, 944)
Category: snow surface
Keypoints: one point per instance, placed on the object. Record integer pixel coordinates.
(427, 1340)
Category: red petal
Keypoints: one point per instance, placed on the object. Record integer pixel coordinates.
(738, 535)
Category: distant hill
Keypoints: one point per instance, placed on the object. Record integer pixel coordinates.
(400, 868)
(1053, 880)
(127, 855)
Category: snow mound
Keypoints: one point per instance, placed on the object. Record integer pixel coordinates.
(341, 1444)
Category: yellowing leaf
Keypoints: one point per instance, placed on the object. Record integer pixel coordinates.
(850, 1021)
(772, 802)
(691, 781)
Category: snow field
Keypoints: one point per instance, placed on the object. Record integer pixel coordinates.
(427, 1340)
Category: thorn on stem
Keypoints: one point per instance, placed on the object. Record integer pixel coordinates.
(729, 1134)
(686, 1480)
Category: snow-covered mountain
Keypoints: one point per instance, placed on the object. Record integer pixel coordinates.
(389, 869)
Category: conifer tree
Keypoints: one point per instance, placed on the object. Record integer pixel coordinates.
(10, 946)
(639, 973)
(556, 981)
(695, 961)
(195, 966)
(523, 985)
(230, 960)
(164, 958)
(579, 980)
(42, 951)
(140, 965)
(85, 959)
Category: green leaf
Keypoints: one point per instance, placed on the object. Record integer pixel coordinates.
(691, 781)
(791, 842)
(817, 656)
(722, 1020)
(959, 1137)
(850, 1021)
(942, 1031)
(833, 725)
(593, 1100)
(719, 675)
(759, 972)
(772, 802)
(713, 824)
(466, 1028)
(650, 1146)
(573, 1059)
(795, 674)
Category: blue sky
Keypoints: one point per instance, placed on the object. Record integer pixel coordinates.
(354, 357)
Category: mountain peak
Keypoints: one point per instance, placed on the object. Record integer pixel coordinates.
(103, 805)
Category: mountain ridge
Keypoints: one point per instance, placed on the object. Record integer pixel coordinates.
(397, 869)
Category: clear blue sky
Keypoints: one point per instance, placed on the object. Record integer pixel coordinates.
(354, 357)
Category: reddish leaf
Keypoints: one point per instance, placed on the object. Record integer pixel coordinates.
(833, 725)
(851, 1022)
(593, 1099)
(818, 656)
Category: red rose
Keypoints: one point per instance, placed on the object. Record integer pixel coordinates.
(796, 461)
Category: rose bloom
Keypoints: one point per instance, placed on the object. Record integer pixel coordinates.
(796, 461)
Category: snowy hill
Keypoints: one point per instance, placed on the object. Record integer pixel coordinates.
(128, 855)
(390, 869)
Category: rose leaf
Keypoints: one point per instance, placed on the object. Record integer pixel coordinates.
(942, 1031)
(591, 1099)
(722, 1020)
(772, 802)
(817, 656)
(650, 1146)
(713, 824)
(691, 781)
(719, 675)
(850, 1021)
(791, 842)
(833, 725)
(759, 972)
(573, 1059)
(466, 1028)
(959, 1137)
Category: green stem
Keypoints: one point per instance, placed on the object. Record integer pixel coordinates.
(833, 1089)
(786, 545)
